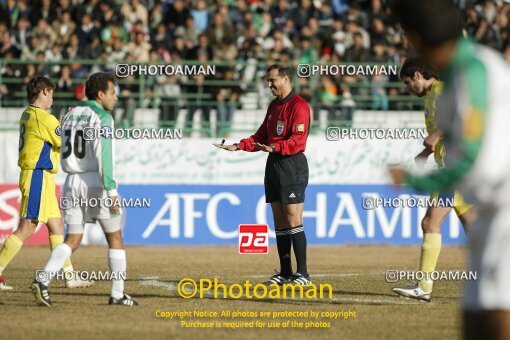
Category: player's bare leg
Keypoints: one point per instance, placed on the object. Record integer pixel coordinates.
(293, 214)
(430, 249)
(58, 257)
(487, 325)
(117, 264)
(467, 219)
(26, 229)
(12, 246)
(56, 230)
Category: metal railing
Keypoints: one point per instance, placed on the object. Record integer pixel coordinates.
(150, 91)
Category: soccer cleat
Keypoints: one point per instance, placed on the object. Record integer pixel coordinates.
(277, 279)
(414, 292)
(3, 284)
(299, 279)
(126, 300)
(41, 294)
(78, 282)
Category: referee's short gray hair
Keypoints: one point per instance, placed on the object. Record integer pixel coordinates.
(282, 70)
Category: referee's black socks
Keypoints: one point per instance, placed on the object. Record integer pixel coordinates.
(299, 243)
(284, 243)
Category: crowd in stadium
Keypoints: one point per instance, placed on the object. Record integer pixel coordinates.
(232, 32)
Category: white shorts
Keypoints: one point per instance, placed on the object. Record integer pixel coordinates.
(490, 258)
(87, 199)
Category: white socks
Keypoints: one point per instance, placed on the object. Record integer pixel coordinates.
(58, 257)
(117, 263)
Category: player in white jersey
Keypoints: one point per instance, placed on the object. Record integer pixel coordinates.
(89, 163)
(475, 116)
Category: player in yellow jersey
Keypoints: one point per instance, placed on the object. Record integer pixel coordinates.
(39, 157)
(421, 81)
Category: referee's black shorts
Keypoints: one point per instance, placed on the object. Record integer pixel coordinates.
(286, 178)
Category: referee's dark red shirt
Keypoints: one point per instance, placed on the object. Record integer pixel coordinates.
(285, 126)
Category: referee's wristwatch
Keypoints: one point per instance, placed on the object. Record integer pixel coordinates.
(272, 147)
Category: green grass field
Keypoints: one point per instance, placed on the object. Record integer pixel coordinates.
(356, 274)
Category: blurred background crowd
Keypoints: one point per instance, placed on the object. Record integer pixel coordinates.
(240, 36)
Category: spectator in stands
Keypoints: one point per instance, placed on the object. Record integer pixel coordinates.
(64, 28)
(65, 83)
(54, 55)
(203, 47)
(357, 52)
(249, 45)
(45, 12)
(93, 50)
(139, 48)
(133, 11)
(156, 16)
(191, 32)
(107, 14)
(117, 52)
(199, 96)
(227, 97)
(347, 104)
(302, 13)
(226, 51)
(22, 33)
(45, 32)
(8, 90)
(177, 15)
(379, 97)
(219, 30)
(279, 13)
(72, 50)
(325, 16)
(168, 92)
(200, 15)
(86, 30)
(307, 54)
(8, 46)
(179, 50)
(329, 97)
(161, 37)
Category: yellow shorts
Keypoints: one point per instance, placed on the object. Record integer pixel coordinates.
(38, 195)
(459, 205)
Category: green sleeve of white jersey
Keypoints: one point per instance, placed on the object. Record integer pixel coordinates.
(107, 161)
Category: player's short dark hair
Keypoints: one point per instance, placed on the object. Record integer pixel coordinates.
(282, 70)
(412, 65)
(36, 85)
(435, 21)
(98, 82)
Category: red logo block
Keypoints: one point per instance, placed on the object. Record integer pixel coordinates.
(253, 239)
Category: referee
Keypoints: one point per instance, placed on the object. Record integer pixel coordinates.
(283, 135)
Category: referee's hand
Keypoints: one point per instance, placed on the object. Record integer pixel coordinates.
(263, 147)
(232, 147)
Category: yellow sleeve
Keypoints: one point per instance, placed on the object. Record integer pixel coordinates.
(50, 130)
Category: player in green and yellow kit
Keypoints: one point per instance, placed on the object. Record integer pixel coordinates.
(421, 81)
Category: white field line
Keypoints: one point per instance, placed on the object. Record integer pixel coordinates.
(328, 275)
(172, 287)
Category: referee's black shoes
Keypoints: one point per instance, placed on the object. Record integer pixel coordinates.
(298, 279)
(277, 279)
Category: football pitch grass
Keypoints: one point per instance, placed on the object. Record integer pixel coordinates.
(356, 274)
